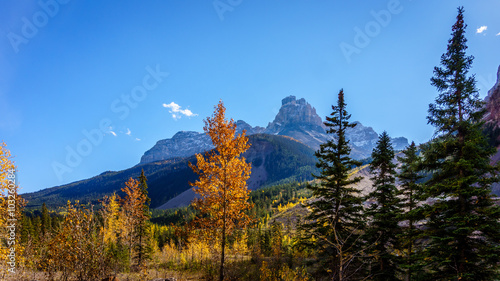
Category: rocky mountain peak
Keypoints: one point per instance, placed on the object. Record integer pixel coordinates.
(294, 112)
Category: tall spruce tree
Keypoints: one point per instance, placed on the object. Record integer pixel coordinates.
(143, 185)
(142, 247)
(463, 223)
(45, 219)
(411, 195)
(383, 212)
(336, 216)
(26, 229)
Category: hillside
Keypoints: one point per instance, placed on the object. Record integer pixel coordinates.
(279, 202)
(273, 158)
(165, 178)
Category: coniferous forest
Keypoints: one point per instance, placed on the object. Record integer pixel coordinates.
(428, 215)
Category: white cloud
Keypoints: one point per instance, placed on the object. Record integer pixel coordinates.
(110, 131)
(498, 34)
(481, 29)
(175, 109)
(128, 133)
(137, 139)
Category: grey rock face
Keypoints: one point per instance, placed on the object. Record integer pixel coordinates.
(182, 144)
(492, 100)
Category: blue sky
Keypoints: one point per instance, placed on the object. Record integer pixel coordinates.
(104, 80)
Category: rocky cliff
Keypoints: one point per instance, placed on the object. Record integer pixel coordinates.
(492, 100)
(299, 120)
(182, 144)
(492, 126)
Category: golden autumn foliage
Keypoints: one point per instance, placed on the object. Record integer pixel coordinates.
(11, 206)
(77, 250)
(133, 218)
(113, 222)
(223, 172)
(282, 273)
(196, 254)
(6, 166)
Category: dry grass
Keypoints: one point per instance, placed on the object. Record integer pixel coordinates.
(150, 274)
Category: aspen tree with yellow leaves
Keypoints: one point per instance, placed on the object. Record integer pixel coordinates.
(221, 187)
(11, 206)
(113, 223)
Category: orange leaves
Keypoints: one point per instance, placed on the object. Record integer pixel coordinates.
(223, 173)
(133, 204)
(134, 220)
(134, 199)
(132, 210)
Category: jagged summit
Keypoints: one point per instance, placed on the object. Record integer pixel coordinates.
(294, 112)
(299, 120)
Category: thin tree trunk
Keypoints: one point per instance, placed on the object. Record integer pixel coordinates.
(223, 242)
(139, 261)
(408, 277)
(410, 242)
(223, 249)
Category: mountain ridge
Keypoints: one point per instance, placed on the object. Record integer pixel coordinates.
(274, 158)
(283, 150)
(296, 119)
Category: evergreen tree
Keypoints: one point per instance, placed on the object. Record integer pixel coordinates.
(383, 212)
(26, 229)
(336, 216)
(143, 185)
(463, 224)
(55, 222)
(411, 195)
(46, 223)
(37, 228)
(142, 248)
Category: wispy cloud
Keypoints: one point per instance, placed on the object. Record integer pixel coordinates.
(110, 131)
(177, 111)
(137, 139)
(128, 133)
(498, 34)
(481, 29)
